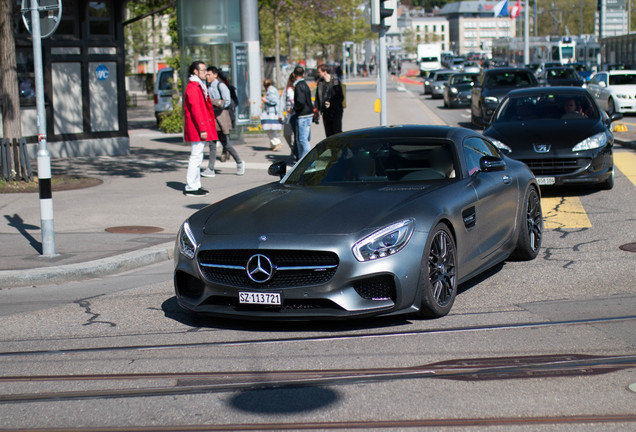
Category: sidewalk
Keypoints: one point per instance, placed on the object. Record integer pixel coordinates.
(132, 218)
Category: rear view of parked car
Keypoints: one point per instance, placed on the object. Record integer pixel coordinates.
(163, 92)
(492, 86)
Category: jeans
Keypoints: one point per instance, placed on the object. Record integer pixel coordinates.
(227, 145)
(193, 175)
(304, 135)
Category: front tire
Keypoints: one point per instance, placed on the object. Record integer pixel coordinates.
(438, 276)
(531, 229)
(611, 107)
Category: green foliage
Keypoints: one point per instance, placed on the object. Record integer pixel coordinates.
(172, 121)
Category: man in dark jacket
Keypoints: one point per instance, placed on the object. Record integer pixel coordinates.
(304, 111)
(329, 97)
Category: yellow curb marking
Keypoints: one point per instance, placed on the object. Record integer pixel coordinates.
(626, 162)
(564, 212)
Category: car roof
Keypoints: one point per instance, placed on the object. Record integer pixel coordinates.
(408, 131)
(529, 91)
(506, 69)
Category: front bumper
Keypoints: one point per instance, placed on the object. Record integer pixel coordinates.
(588, 167)
(353, 289)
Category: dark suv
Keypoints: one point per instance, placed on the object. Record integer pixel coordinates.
(492, 86)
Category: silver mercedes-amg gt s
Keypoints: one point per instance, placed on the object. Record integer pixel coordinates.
(375, 221)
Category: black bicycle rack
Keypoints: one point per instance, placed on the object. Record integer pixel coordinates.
(14, 160)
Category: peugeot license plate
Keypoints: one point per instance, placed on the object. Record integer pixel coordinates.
(260, 298)
(545, 181)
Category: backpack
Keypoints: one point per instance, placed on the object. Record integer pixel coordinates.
(233, 104)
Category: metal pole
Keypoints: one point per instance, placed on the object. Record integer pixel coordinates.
(382, 76)
(44, 158)
(526, 34)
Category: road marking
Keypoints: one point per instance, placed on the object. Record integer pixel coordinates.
(626, 162)
(564, 212)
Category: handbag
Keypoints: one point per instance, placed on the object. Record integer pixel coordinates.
(316, 118)
(270, 121)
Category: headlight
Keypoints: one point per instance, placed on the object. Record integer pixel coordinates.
(187, 243)
(593, 142)
(453, 90)
(491, 99)
(387, 241)
(622, 96)
(500, 145)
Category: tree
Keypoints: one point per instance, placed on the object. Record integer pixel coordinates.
(10, 98)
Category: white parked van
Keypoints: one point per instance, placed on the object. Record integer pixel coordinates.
(163, 91)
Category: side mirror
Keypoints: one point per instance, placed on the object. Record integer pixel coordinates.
(614, 117)
(491, 163)
(602, 84)
(278, 169)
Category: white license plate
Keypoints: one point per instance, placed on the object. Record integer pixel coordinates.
(545, 181)
(260, 298)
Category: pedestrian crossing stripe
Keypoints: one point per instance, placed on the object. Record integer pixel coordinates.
(626, 162)
(564, 212)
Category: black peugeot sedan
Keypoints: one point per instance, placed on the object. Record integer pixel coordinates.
(559, 132)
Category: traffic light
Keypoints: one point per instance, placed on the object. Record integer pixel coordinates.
(379, 12)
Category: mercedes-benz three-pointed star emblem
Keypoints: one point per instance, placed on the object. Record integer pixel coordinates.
(260, 268)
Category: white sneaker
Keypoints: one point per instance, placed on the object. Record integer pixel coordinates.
(240, 168)
(208, 173)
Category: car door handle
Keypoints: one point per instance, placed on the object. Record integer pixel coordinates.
(506, 179)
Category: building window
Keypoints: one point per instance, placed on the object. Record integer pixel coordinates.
(100, 18)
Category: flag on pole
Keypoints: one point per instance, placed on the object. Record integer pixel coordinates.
(501, 9)
(516, 10)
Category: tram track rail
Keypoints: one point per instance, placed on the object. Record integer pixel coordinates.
(474, 369)
(539, 421)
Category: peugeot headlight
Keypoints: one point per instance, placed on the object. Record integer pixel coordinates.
(593, 142)
(500, 145)
(384, 242)
(491, 99)
(187, 243)
(453, 90)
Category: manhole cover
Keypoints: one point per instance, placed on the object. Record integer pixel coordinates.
(632, 387)
(629, 247)
(133, 229)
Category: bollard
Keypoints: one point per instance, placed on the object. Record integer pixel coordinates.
(5, 159)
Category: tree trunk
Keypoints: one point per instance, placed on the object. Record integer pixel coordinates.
(10, 97)
(277, 80)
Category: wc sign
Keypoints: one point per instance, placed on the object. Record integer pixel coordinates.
(101, 72)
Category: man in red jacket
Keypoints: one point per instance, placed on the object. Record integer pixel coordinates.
(199, 125)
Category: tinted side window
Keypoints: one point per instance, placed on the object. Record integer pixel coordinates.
(474, 149)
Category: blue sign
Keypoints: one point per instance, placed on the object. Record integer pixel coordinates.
(101, 72)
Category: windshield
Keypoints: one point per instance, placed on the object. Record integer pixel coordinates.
(622, 79)
(547, 107)
(354, 160)
(508, 79)
(458, 79)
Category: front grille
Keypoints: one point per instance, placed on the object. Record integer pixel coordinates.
(293, 268)
(376, 288)
(555, 166)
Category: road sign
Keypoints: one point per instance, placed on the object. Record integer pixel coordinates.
(50, 15)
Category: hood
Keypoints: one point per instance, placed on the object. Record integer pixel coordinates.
(281, 209)
(561, 135)
(629, 89)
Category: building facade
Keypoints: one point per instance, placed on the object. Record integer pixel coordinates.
(84, 81)
(473, 26)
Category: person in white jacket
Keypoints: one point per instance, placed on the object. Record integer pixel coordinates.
(271, 114)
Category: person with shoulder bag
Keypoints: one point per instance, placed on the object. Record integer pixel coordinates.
(221, 100)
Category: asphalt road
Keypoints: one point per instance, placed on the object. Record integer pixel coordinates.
(543, 345)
